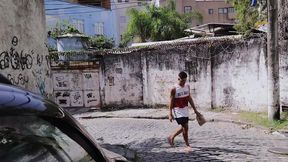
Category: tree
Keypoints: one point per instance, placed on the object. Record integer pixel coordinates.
(63, 27)
(249, 17)
(157, 23)
(101, 42)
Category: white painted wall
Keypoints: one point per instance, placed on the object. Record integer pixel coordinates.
(23, 54)
(122, 81)
(77, 88)
(230, 74)
(241, 82)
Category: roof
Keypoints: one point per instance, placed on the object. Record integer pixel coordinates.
(181, 41)
(213, 29)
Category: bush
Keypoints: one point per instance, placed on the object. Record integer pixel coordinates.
(101, 42)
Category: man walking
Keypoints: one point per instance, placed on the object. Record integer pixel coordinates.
(178, 108)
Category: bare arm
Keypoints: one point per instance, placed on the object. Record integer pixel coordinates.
(171, 105)
(190, 100)
(192, 104)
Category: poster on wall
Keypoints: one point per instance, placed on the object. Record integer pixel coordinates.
(92, 99)
(77, 99)
(91, 81)
(61, 81)
(62, 98)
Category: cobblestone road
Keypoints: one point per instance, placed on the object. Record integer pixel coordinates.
(215, 141)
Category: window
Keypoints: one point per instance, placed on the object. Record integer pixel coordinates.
(231, 10)
(222, 10)
(210, 11)
(187, 9)
(119, 0)
(126, 0)
(79, 25)
(99, 28)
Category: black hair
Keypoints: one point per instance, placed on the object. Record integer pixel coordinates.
(182, 75)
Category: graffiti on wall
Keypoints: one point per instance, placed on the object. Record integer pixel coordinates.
(21, 60)
(91, 98)
(63, 98)
(76, 81)
(17, 60)
(61, 81)
(77, 99)
(91, 80)
(19, 79)
(40, 81)
(77, 88)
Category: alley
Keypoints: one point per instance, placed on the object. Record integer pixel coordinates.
(215, 141)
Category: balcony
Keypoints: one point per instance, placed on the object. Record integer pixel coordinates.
(101, 3)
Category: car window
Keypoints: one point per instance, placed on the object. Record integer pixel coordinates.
(30, 138)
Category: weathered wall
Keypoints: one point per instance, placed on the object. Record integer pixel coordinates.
(161, 68)
(77, 88)
(239, 75)
(23, 54)
(222, 72)
(283, 50)
(121, 82)
(228, 73)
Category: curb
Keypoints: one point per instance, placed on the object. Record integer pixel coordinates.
(162, 118)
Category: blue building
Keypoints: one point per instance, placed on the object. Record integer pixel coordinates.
(88, 19)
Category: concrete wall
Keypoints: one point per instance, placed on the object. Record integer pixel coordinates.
(121, 82)
(23, 55)
(283, 50)
(77, 88)
(222, 72)
(239, 76)
(161, 70)
(229, 73)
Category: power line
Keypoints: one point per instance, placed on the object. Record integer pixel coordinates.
(78, 6)
(86, 12)
(75, 6)
(90, 4)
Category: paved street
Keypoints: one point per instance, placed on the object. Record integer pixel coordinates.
(215, 141)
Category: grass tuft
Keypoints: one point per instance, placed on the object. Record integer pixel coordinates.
(261, 118)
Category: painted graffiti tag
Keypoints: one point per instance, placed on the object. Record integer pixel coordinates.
(39, 59)
(17, 60)
(14, 41)
(76, 97)
(40, 81)
(61, 81)
(18, 80)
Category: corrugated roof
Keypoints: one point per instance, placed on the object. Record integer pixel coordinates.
(152, 45)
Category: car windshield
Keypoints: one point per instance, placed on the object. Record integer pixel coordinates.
(30, 138)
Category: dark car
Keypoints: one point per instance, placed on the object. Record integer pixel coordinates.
(33, 128)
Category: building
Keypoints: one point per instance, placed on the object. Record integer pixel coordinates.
(93, 17)
(100, 3)
(88, 19)
(24, 56)
(212, 11)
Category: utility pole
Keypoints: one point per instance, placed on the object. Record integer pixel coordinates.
(273, 62)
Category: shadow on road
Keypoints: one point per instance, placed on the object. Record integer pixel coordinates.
(156, 149)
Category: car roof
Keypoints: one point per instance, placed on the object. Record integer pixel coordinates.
(18, 101)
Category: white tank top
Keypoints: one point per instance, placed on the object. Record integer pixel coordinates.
(180, 105)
